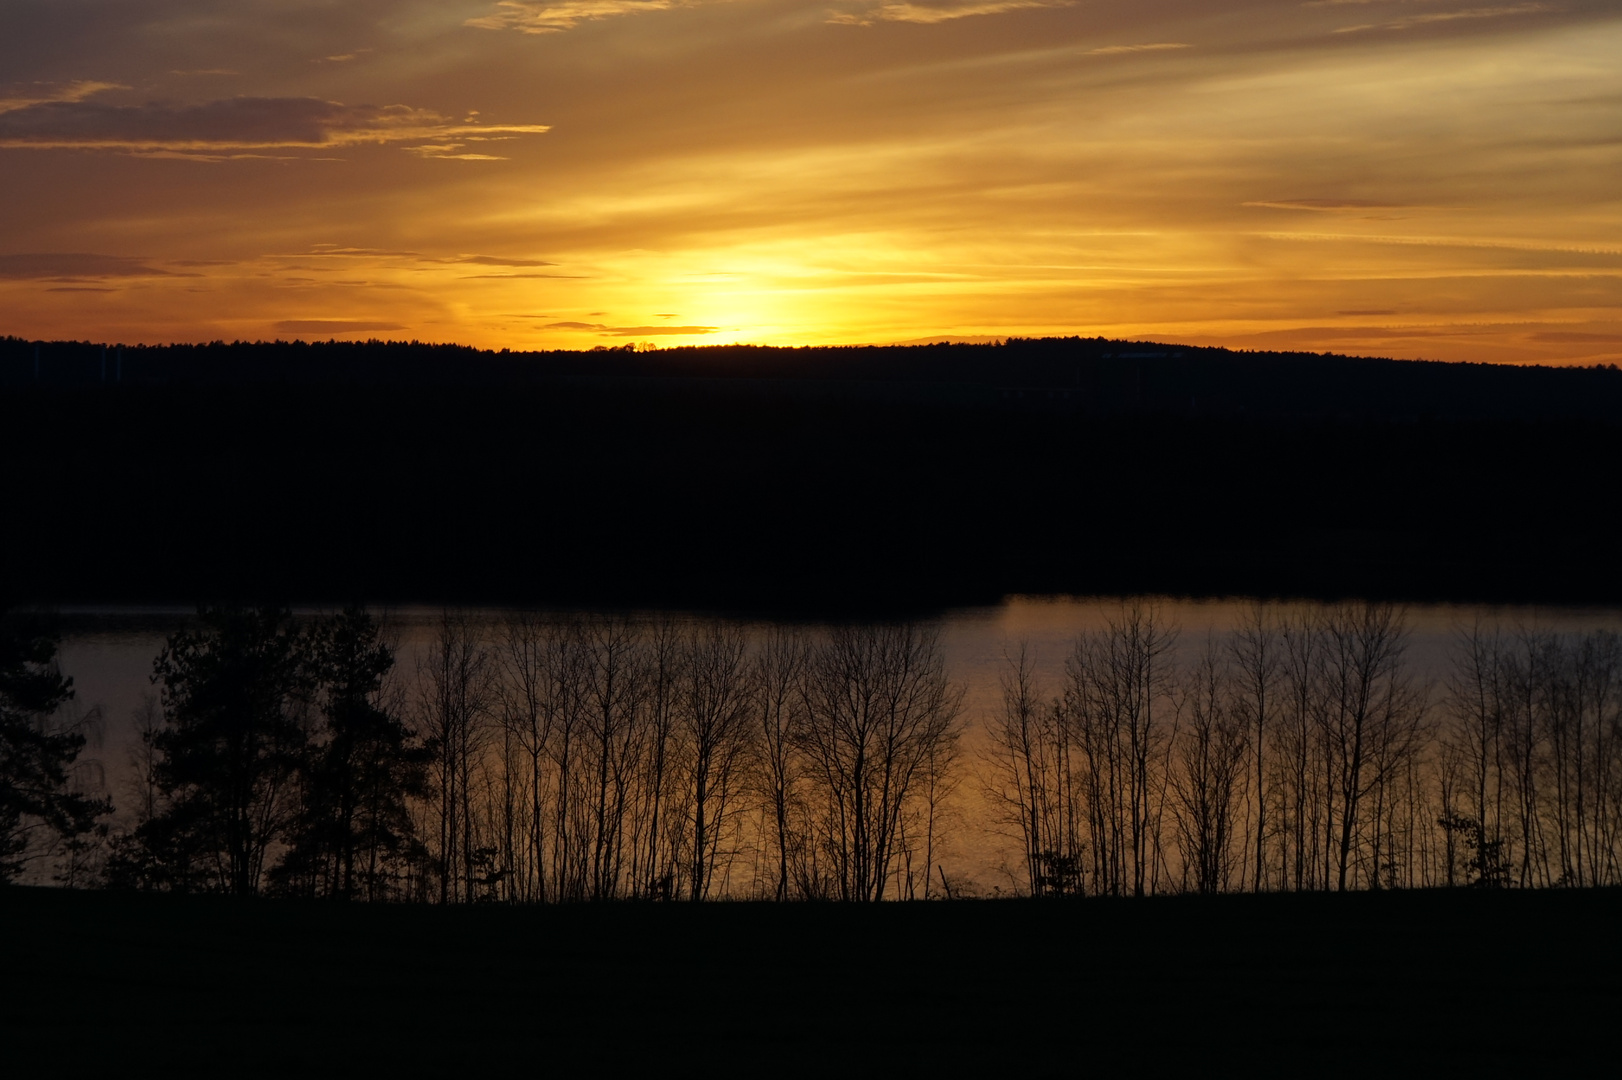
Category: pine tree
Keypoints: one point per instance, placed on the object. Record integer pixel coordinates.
(38, 807)
(355, 831)
(235, 693)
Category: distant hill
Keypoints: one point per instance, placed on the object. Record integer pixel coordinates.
(825, 479)
(1090, 375)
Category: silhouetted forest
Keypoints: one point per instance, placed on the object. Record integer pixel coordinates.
(540, 758)
(849, 479)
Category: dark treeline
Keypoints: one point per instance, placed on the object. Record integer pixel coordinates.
(1074, 467)
(1089, 376)
(537, 759)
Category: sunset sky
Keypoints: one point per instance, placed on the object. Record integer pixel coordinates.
(1414, 178)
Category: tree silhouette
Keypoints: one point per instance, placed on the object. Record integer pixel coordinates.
(38, 806)
(235, 691)
(879, 710)
(355, 830)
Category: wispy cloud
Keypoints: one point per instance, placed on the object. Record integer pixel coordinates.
(1461, 242)
(1408, 22)
(333, 326)
(632, 331)
(233, 125)
(54, 93)
(495, 260)
(928, 15)
(1115, 50)
(1326, 206)
(539, 17)
(448, 152)
(74, 267)
(1572, 337)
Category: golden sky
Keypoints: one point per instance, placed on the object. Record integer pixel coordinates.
(1414, 178)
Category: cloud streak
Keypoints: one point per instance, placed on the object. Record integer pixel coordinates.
(632, 331)
(927, 15)
(231, 125)
(529, 17)
(76, 267)
(1326, 206)
(1117, 50)
(1408, 22)
(56, 93)
(333, 326)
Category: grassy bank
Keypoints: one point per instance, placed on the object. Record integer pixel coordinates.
(1451, 982)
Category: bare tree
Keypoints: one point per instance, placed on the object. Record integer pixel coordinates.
(1371, 724)
(1030, 778)
(878, 705)
(654, 855)
(454, 696)
(780, 666)
(1256, 649)
(615, 684)
(1114, 681)
(716, 707)
(1297, 751)
(1207, 782)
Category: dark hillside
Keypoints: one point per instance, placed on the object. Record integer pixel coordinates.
(839, 478)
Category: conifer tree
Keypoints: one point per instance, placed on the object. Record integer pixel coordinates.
(234, 693)
(38, 806)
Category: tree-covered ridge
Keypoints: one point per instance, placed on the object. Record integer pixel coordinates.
(671, 493)
(1076, 375)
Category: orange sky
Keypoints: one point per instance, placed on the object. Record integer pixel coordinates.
(1415, 178)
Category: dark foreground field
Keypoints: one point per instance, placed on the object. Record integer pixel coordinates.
(1447, 983)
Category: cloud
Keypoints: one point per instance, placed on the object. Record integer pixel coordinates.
(918, 13)
(641, 331)
(1114, 50)
(631, 331)
(338, 251)
(1324, 206)
(73, 267)
(494, 260)
(55, 93)
(1566, 336)
(332, 326)
(1408, 22)
(1460, 242)
(232, 124)
(537, 17)
(447, 152)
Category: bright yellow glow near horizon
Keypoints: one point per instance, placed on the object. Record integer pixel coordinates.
(1415, 178)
